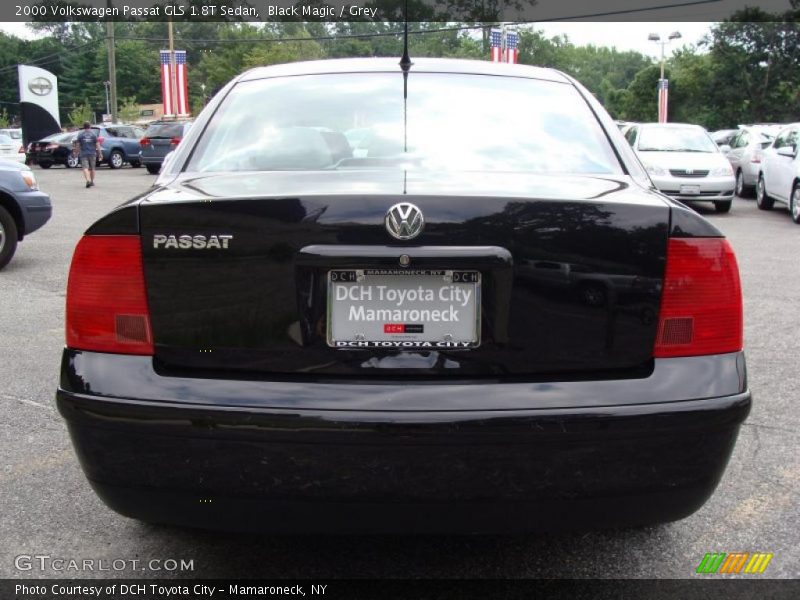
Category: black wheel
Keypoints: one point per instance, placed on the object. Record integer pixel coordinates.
(153, 169)
(742, 190)
(794, 205)
(8, 237)
(73, 162)
(593, 294)
(763, 201)
(45, 165)
(135, 164)
(723, 206)
(116, 160)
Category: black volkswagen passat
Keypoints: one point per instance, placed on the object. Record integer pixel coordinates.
(367, 299)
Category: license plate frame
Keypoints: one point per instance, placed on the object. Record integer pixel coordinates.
(690, 190)
(416, 338)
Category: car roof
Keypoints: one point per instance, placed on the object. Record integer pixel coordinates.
(381, 65)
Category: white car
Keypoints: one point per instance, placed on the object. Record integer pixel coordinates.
(11, 149)
(744, 154)
(684, 162)
(779, 177)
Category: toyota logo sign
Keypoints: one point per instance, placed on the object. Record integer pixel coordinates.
(40, 86)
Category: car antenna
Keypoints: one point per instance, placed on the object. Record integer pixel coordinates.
(405, 61)
(405, 65)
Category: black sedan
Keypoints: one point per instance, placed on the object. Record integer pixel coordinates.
(55, 149)
(290, 333)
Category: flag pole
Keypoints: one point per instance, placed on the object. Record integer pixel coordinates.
(173, 84)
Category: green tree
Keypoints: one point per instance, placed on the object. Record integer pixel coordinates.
(81, 113)
(641, 100)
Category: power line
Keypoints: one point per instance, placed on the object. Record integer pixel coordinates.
(320, 38)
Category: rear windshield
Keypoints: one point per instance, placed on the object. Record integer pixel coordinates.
(14, 134)
(164, 130)
(449, 121)
(675, 139)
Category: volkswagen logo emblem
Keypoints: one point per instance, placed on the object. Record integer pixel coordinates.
(40, 86)
(404, 221)
(690, 171)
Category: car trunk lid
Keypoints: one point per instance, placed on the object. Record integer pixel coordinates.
(570, 267)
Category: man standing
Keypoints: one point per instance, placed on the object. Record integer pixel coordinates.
(87, 146)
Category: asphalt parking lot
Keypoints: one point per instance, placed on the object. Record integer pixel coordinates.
(48, 508)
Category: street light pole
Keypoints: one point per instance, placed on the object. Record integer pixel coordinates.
(662, 83)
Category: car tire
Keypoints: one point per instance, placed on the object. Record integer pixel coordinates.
(73, 162)
(794, 204)
(45, 165)
(723, 206)
(742, 190)
(115, 160)
(593, 294)
(153, 169)
(8, 237)
(763, 200)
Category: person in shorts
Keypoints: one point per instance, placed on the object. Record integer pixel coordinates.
(87, 146)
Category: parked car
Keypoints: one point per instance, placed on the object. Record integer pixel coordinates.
(11, 149)
(779, 177)
(23, 208)
(55, 149)
(276, 337)
(744, 154)
(14, 133)
(723, 137)
(684, 163)
(119, 144)
(159, 139)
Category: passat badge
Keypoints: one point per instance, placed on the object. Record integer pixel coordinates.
(404, 221)
(192, 242)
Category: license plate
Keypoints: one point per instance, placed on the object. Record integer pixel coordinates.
(404, 309)
(690, 190)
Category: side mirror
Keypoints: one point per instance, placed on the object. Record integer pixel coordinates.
(724, 148)
(789, 151)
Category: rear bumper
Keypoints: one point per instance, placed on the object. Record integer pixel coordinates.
(355, 470)
(151, 159)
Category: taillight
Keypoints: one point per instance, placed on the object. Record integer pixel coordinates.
(175, 141)
(144, 141)
(701, 305)
(106, 299)
(21, 150)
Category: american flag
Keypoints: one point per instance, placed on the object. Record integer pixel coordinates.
(663, 97)
(497, 43)
(178, 105)
(512, 41)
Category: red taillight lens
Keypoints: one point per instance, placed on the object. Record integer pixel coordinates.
(106, 299)
(144, 141)
(701, 305)
(21, 150)
(175, 141)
